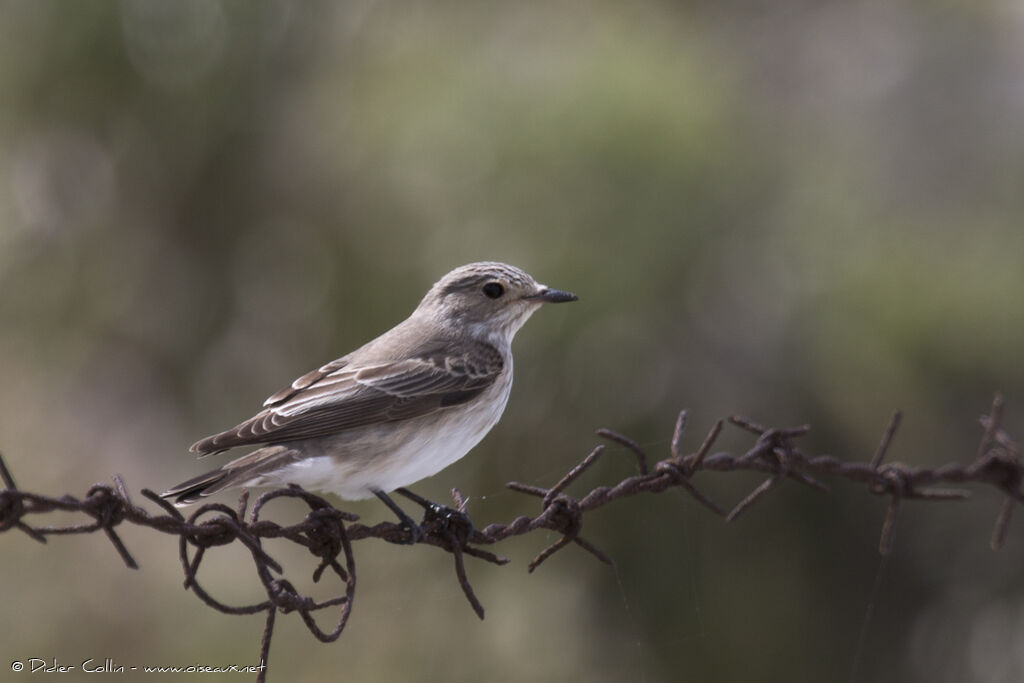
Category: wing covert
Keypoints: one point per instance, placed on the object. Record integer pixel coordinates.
(341, 396)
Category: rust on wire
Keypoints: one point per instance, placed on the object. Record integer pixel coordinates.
(328, 533)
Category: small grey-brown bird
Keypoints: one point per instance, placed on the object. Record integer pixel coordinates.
(396, 410)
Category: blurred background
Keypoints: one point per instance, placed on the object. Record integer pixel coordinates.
(800, 212)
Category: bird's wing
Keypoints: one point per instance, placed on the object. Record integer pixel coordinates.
(342, 395)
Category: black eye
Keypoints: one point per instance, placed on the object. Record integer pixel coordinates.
(492, 290)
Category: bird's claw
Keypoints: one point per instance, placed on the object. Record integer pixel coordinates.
(415, 532)
(448, 520)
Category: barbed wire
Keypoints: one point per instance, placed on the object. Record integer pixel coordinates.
(328, 533)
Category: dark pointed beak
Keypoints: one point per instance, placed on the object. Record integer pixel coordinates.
(552, 296)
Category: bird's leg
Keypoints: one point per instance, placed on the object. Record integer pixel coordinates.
(450, 519)
(415, 532)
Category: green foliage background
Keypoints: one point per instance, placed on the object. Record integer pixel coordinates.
(802, 212)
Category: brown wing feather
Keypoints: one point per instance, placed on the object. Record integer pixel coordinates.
(334, 399)
(305, 381)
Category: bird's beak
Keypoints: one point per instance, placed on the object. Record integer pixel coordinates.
(552, 296)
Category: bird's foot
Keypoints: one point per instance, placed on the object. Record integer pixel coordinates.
(449, 521)
(414, 530)
(442, 519)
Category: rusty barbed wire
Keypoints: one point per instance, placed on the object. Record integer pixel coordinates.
(328, 533)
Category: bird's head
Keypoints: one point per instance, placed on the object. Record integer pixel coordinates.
(490, 300)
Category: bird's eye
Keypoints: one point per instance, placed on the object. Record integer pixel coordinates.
(492, 290)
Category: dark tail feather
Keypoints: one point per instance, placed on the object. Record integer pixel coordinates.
(245, 471)
(192, 490)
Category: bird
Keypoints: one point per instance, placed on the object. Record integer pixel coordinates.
(398, 409)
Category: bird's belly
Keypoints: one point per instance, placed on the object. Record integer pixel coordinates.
(384, 457)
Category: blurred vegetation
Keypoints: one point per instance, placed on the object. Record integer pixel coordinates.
(803, 212)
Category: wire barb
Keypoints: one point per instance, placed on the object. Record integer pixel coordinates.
(641, 457)
(887, 437)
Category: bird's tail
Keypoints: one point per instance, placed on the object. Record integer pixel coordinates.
(249, 470)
